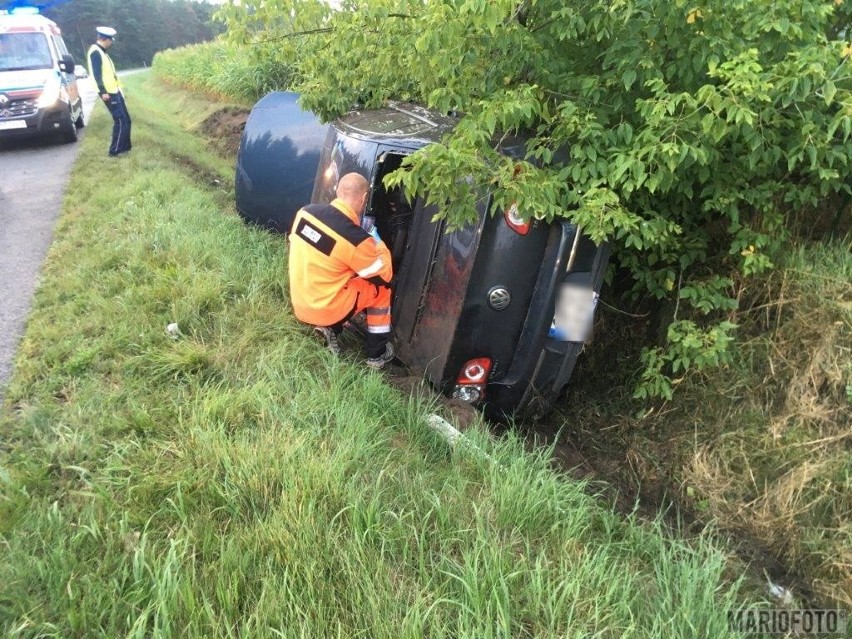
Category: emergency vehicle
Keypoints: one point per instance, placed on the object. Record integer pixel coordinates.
(38, 88)
(495, 313)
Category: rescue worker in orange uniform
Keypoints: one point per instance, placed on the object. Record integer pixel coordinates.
(338, 270)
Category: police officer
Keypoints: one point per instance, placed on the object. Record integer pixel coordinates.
(103, 71)
(337, 270)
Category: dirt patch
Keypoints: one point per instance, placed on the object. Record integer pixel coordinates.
(632, 482)
(225, 128)
(462, 415)
(203, 175)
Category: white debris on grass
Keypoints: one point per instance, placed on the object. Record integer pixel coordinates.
(782, 594)
(454, 437)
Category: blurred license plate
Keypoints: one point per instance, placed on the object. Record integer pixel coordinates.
(575, 313)
(14, 124)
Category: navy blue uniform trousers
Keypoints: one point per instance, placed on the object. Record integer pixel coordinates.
(121, 124)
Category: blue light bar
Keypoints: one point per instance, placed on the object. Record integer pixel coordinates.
(25, 11)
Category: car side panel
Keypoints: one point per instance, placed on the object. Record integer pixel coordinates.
(69, 80)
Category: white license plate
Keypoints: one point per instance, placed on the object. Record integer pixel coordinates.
(575, 313)
(13, 124)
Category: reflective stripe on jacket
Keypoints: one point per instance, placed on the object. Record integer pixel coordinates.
(327, 249)
(103, 70)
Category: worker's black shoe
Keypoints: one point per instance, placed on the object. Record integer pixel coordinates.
(330, 338)
(381, 360)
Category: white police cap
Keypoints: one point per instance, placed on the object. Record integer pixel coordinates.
(106, 32)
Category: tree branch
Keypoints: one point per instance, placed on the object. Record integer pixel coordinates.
(294, 35)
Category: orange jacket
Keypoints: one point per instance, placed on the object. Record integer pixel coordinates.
(327, 249)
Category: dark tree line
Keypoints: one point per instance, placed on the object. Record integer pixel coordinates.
(144, 26)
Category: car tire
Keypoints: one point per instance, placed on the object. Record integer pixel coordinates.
(80, 122)
(69, 130)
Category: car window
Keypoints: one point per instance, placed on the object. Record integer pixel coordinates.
(60, 45)
(23, 51)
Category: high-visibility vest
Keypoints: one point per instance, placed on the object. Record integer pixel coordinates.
(109, 76)
(327, 249)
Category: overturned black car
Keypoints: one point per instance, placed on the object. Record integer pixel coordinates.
(495, 313)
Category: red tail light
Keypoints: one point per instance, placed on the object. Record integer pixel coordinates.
(515, 222)
(470, 385)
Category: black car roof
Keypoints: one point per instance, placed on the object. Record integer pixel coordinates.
(399, 121)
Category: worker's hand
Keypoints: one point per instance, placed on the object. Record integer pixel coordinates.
(105, 97)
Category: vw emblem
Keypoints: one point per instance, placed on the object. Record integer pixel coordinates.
(499, 298)
(3, 100)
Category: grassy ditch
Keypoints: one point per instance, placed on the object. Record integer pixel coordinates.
(760, 449)
(235, 480)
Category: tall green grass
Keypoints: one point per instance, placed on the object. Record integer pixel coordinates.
(238, 481)
(221, 68)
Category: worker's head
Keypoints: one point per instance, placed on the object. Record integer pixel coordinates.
(106, 35)
(354, 189)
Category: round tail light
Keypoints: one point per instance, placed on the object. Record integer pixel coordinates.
(515, 222)
(475, 371)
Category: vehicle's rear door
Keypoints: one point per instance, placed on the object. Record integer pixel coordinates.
(413, 302)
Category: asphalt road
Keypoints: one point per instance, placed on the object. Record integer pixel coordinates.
(33, 175)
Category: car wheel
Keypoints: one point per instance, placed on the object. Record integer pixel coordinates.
(80, 122)
(69, 130)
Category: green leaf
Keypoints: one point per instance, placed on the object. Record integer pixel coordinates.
(829, 91)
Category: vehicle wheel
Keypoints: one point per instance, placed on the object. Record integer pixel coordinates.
(69, 131)
(80, 122)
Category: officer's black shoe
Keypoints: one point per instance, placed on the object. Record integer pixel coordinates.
(381, 360)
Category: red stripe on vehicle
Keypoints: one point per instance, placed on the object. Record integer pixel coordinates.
(22, 95)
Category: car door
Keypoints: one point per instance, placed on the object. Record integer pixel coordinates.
(69, 80)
